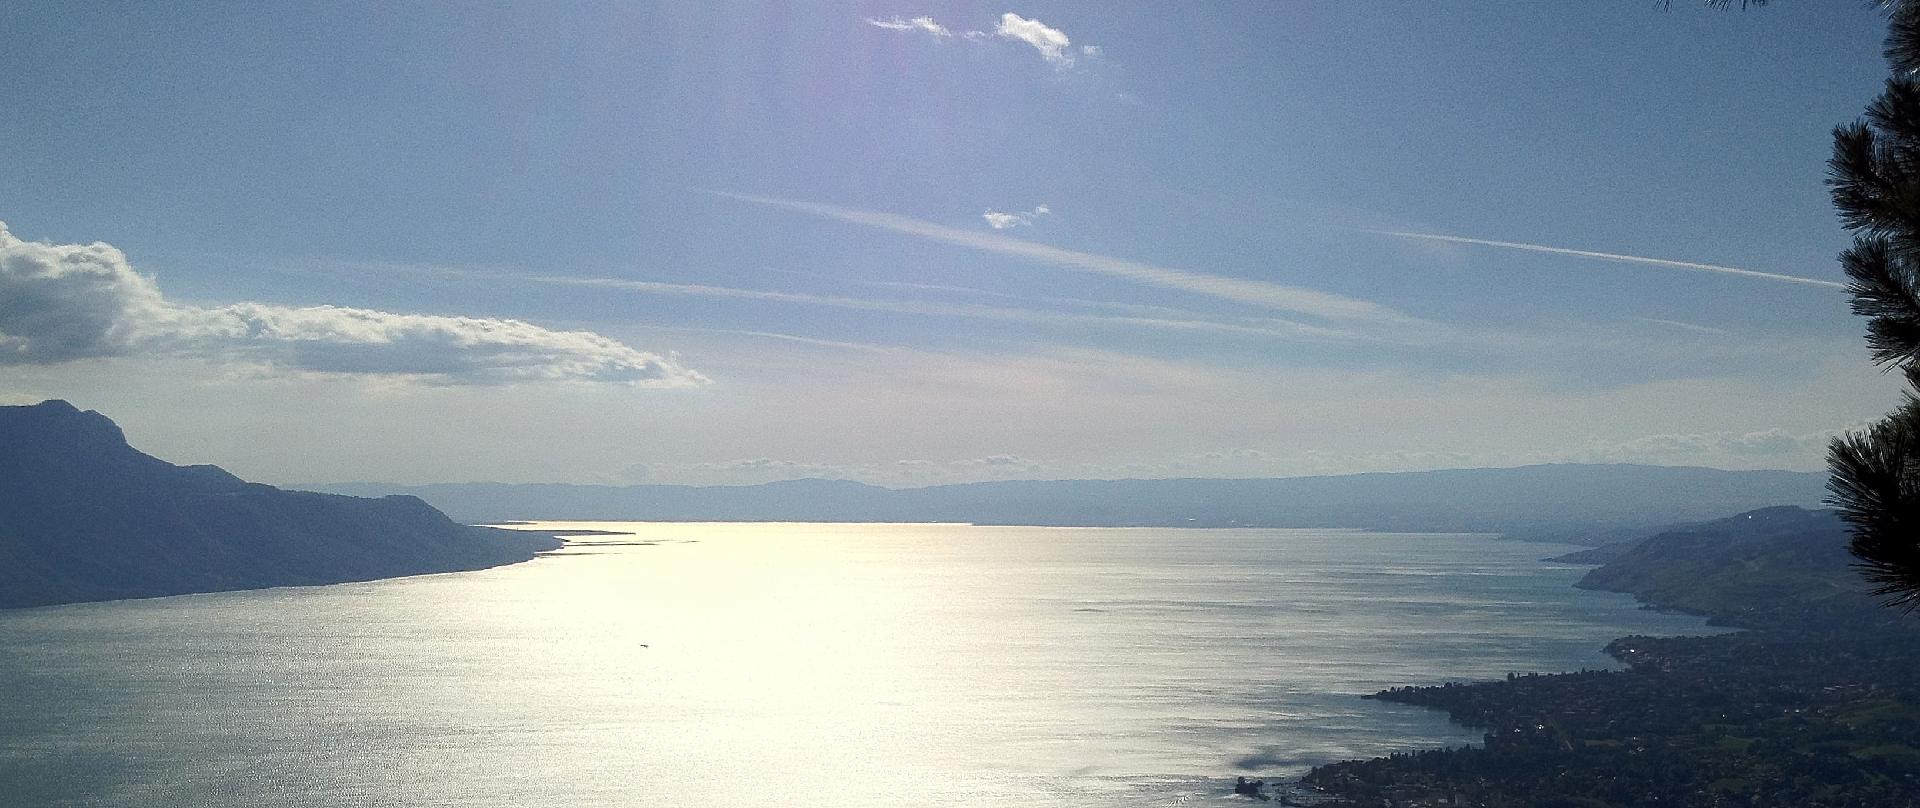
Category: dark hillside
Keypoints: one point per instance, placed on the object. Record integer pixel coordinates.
(1816, 704)
(84, 516)
(1772, 568)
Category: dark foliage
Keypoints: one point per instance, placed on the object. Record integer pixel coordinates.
(1875, 179)
(1903, 42)
(1818, 704)
(1873, 485)
(1741, 720)
(1723, 3)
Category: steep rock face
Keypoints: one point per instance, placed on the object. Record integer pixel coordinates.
(84, 516)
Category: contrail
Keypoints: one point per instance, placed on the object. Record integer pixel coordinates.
(1259, 293)
(1266, 327)
(1629, 259)
(1142, 317)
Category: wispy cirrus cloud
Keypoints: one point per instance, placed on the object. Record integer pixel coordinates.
(923, 24)
(1004, 220)
(1684, 326)
(1147, 318)
(1051, 43)
(1264, 294)
(67, 302)
(1111, 307)
(1616, 257)
(777, 336)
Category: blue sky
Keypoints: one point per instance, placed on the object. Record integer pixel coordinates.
(917, 243)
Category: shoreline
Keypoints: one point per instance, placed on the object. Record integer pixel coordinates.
(1808, 700)
(532, 548)
(1300, 790)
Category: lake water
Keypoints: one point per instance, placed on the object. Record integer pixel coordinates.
(834, 666)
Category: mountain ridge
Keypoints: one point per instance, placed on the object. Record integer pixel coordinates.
(1579, 503)
(84, 517)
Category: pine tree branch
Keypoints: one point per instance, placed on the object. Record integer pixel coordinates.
(1903, 38)
(1885, 291)
(1873, 487)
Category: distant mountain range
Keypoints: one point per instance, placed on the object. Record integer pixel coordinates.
(1589, 504)
(84, 517)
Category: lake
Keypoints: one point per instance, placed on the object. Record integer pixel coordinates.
(815, 665)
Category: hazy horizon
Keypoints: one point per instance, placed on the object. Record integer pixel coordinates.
(1039, 479)
(912, 244)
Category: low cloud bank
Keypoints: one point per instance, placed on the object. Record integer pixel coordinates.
(68, 302)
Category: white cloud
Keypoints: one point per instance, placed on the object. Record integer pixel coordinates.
(468, 350)
(1052, 43)
(999, 461)
(1002, 220)
(916, 24)
(747, 471)
(63, 302)
(1775, 443)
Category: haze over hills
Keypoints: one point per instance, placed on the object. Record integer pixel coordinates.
(84, 517)
(1590, 504)
(1768, 568)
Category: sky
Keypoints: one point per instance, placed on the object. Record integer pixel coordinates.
(920, 243)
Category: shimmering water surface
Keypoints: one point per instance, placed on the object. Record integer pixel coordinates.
(791, 665)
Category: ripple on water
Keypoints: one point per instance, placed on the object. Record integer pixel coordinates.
(800, 665)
